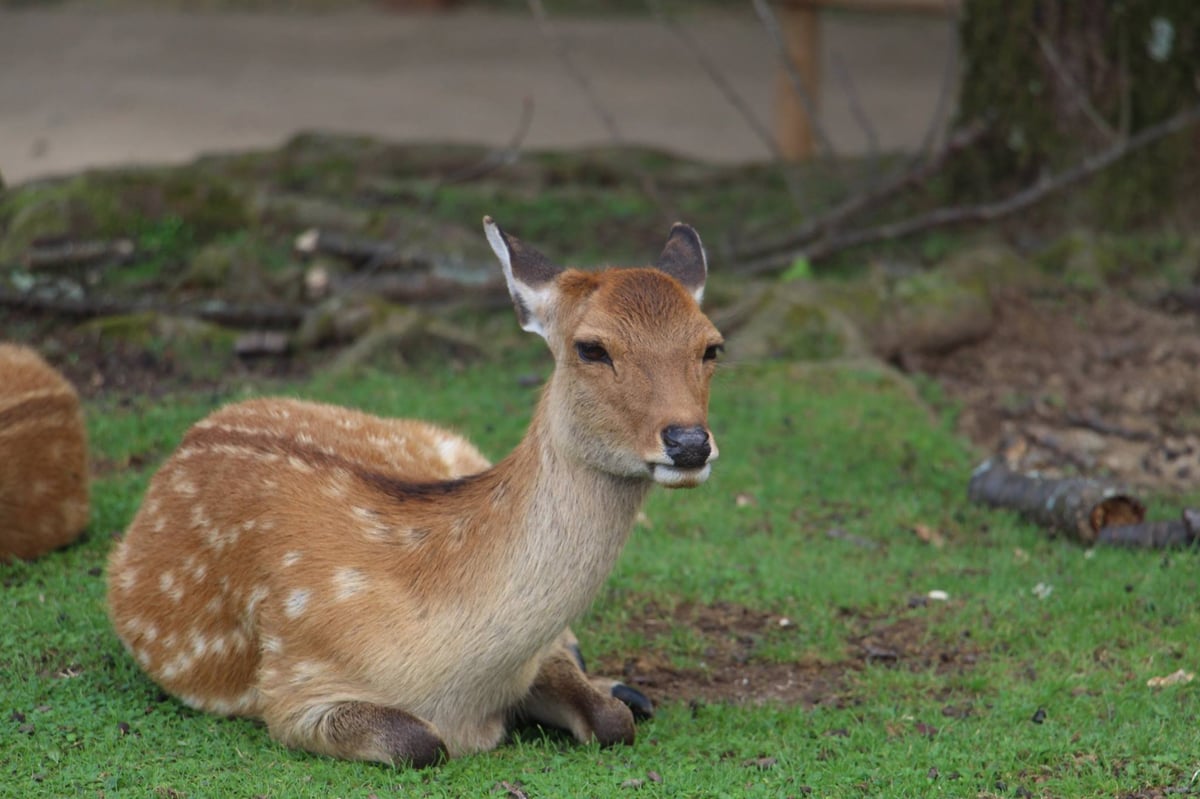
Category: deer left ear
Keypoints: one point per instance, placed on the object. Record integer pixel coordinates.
(683, 259)
(531, 277)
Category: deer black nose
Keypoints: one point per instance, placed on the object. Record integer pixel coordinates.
(687, 447)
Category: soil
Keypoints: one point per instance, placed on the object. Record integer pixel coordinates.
(732, 672)
(1098, 384)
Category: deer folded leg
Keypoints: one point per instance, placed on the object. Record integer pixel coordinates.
(591, 709)
(634, 699)
(361, 731)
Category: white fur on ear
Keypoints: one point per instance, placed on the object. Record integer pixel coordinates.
(531, 302)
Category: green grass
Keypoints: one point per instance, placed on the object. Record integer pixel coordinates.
(817, 450)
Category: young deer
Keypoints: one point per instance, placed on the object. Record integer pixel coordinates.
(372, 589)
(43, 457)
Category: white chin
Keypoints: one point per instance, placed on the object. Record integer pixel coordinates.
(674, 477)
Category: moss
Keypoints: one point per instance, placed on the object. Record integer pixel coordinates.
(199, 349)
(1136, 63)
(77, 208)
(788, 322)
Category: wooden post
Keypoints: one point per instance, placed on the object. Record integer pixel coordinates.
(800, 22)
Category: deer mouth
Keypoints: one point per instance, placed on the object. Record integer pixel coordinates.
(678, 476)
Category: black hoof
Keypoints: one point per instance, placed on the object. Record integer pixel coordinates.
(577, 653)
(635, 700)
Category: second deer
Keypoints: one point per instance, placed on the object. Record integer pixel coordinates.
(374, 589)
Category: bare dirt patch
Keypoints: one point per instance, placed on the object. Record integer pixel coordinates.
(1083, 382)
(733, 672)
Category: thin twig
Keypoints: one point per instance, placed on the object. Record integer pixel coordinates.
(550, 33)
(731, 95)
(497, 158)
(1074, 90)
(949, 82)
(265, 316)
(769, 21)
(857, 203)
(860, 115)
(987, 212)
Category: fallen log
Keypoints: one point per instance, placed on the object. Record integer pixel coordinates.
(1179, 532)
(1078, 506)
(1088, 510)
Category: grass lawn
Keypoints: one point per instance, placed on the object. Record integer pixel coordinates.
(1030, 680)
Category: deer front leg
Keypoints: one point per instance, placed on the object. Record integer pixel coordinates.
(360, 731)
(596, 708)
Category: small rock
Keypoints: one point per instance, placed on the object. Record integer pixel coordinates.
(937, 595)
(635, 783)
(653, 776)
(1039, 715)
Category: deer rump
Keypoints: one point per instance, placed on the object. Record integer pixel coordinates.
(373, 588)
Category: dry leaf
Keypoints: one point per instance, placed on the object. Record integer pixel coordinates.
(744, 500)
(1180, 677)
(929, 535)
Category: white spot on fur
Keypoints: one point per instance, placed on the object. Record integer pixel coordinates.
(177, 666)
(272, 644)
(200, 518)
(199, 643)
(213, 607)
(128, 579)
(160, 524)
(168, 585)
(144, 659)
(256, 596)
(245, 701)
(183, 486)
(299, 465)
(348, 582)
(199, 571)
(290, 559)
(295, 603)
(449, 450)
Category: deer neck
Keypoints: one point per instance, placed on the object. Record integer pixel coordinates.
(569, 523)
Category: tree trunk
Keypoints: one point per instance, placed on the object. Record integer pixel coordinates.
(1062, 80)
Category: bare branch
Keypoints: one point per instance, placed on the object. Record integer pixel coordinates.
(769, 21)
(949, 82)
(860, 115)
(731, 95)
(550, 32)
(1074, 90)
(261, 316)
(585, 85)
(497, 158)
(985, 212)
(857, 203)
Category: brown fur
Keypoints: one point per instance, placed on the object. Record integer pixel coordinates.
(43, 457)
(372, 588)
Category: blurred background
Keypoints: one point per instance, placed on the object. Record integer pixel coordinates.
(103, 83)
(998, 198)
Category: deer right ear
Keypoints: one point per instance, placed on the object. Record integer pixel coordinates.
(529, 274)
(683, 259)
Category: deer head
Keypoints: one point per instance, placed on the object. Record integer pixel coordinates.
(633, 352)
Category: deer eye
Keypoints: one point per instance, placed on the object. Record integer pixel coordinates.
(592, 352)
(713, 350)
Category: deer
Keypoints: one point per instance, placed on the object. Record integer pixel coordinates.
(374, 589)
(44, 477)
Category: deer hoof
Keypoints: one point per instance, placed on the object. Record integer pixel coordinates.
(635, 700)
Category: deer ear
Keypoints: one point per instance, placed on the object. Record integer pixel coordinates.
(683, 259)
(529, 274)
